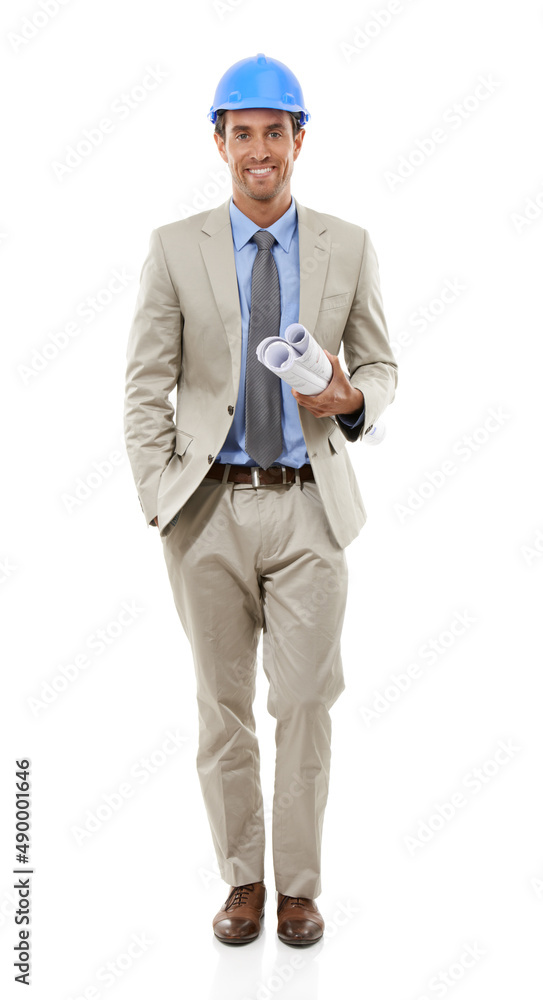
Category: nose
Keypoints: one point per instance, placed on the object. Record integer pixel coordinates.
(259, 149)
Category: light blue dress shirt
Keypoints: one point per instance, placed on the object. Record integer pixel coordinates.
(287, 258)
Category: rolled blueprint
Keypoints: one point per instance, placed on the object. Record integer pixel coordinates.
(376, 434)
(298, 359)
(301, 362)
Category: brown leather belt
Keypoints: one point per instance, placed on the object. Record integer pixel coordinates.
(260, 477)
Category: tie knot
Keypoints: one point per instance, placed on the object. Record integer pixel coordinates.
(263, 239)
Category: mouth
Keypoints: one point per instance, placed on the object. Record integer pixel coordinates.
(260, 171)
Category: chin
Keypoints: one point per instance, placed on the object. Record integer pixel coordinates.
(260, 195)
(266, 195)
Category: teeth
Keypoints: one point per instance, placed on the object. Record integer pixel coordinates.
(263, 170)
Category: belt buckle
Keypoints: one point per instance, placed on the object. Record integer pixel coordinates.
(255, 475)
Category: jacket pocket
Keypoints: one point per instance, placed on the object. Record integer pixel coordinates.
(182, 441)
(334, 301)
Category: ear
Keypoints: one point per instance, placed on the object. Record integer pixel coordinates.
(219, 142)
(298, 144)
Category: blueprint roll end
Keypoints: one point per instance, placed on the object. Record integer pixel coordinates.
(377, 433)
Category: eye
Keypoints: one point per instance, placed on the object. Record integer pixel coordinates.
(243, 135)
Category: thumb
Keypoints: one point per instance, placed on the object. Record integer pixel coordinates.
(334, 359)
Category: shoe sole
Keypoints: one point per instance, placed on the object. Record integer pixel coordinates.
(301, 943)
(232, 941)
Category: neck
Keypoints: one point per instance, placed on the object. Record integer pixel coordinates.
(263, 213)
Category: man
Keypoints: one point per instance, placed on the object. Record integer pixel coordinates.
(250, 484)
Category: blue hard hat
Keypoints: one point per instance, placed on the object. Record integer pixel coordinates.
(259, 82)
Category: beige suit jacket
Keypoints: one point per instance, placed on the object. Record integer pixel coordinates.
(186, 333)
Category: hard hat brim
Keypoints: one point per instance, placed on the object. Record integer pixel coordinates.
(262, 103)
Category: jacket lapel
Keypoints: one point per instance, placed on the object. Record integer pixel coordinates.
(218, 253)
(315, 244)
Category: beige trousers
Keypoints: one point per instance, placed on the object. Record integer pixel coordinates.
(243, 560)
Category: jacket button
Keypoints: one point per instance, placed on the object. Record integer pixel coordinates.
(210, 459)
(230, 409)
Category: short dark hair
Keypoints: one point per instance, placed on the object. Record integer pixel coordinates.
(293, 115)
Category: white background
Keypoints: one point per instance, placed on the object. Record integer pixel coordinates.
(399, 912)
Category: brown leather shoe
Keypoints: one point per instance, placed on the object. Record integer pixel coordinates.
(299, 920)
(239, 919)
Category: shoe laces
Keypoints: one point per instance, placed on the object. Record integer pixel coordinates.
(239, 895)
(293, 900)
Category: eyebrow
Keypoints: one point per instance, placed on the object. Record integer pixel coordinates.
(247, 128)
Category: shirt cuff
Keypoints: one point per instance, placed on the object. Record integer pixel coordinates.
(351, 420)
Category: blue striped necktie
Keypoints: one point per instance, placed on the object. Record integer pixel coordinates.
(263, 437)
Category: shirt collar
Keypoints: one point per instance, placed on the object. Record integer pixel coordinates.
(243, 228)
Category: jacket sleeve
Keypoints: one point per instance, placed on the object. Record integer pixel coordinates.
(368, 355)
(153, 369)
(353, 423)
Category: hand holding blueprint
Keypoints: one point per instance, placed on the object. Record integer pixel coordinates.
(302, 363)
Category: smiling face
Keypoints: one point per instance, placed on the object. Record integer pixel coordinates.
(260, 150)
